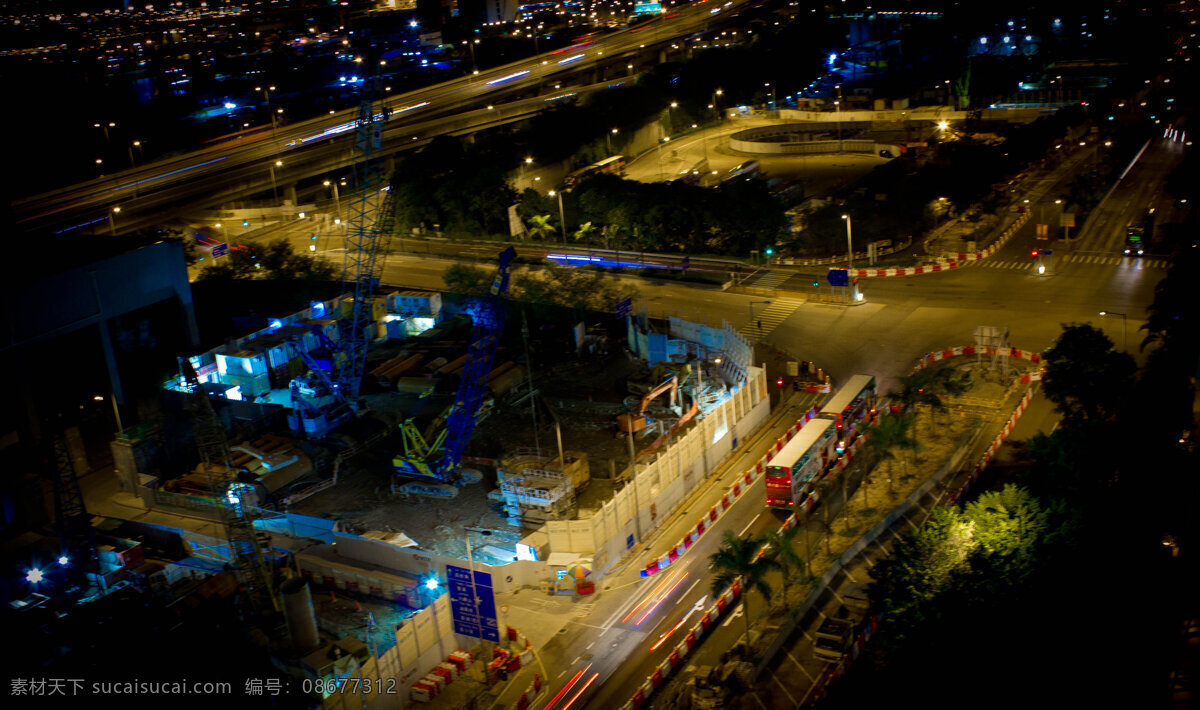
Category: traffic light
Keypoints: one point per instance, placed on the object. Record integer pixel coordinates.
(779, 382)
(245, 223)
(816, 284)
(770, 251)
(1034, 253)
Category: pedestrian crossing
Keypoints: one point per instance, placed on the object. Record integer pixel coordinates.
(769, 317)
(771, 279)
(1031, 262)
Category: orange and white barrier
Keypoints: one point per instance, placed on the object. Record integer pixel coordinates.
(947, 264)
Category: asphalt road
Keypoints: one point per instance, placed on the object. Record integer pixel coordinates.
(242, 165)
(610, 644)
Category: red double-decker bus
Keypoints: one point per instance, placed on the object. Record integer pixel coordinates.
(791, 472)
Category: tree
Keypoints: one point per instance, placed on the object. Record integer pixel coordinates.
(276, 261)
(466, 280)
(584, 232)
(888, 433)
(1086, 378)
(738, 558)
(1008, 522)
(783, 551)
(540, 226)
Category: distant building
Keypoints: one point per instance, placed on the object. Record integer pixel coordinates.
(501, 10)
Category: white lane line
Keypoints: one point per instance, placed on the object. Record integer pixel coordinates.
(743, 532)
(802, 668)
(589, 646)
(577, 659)
(690, 589)
(785, 691)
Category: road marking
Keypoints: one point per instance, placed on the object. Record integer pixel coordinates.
(785, 690)
(577, 660)
(589, 646)
(736, 613)
(743, 532)
(685, 593)
(560, 675)
(798, 665)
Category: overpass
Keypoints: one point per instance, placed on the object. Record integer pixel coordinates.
(257, 163)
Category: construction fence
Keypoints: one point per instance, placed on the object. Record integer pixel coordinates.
(653, 491)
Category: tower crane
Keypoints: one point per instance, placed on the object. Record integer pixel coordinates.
(245, 545)
(322, 400)
(438, 454)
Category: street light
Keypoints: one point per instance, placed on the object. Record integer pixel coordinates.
(561, 219)
(608, 140)
(274, 188)
(337, 204)
(112, 224)
(661, 172)
(837, 106)
(671, 117)
(849, 244)
(1124, 343)
(267, 95)
(471, 46)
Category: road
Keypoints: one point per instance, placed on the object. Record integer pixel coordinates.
(308, 148)
(612, 643)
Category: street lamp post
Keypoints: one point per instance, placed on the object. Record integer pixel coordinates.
(267, 96)
(837, 106)
(671, 117)
(562, 221)
(1124, 343)
(716, 106)
(133, 164)
(274, 187)
(849, 244)
(112, 223)
(337, 204)
(661, 171)
(608, 140)
(471, 46)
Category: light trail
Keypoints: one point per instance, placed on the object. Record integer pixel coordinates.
(565, 688)
(646, 599)
(585, 687)
(661, 600)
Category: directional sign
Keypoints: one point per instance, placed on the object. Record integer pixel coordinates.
(472, 616)
(624, 307)
(838, 277)
(1043, 231)
(1045, 252)
(220, 250)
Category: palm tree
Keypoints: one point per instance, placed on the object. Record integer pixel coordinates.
(584, 232)
(540, 227)
(885, 435)
(739, 558)
(783, 551)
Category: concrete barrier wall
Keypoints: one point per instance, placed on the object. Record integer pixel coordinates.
(659, 487)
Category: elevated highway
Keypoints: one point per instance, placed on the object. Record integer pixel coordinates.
(248, 165)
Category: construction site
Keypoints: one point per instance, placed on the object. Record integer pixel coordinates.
(366, 453)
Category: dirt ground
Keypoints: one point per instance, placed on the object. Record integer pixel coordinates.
(584, 394)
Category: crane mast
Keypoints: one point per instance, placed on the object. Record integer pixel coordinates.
(245, 546)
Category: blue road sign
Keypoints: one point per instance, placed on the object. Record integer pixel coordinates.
(221, 249)
(624, 307)
(1045, 252)
(472, 617)
(838, 277)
